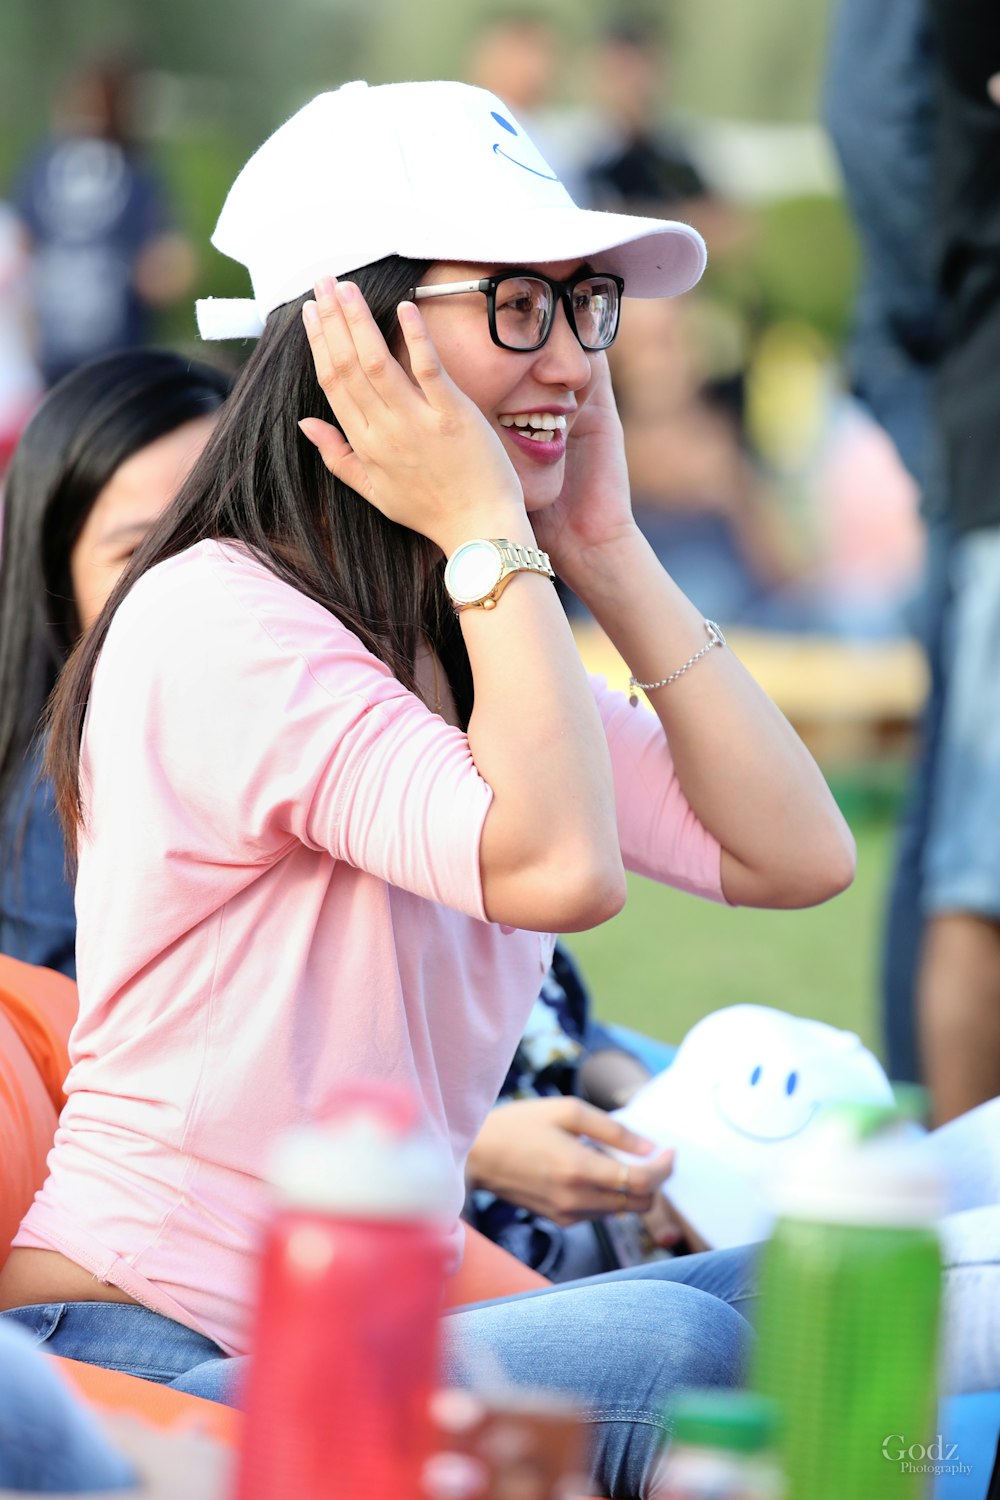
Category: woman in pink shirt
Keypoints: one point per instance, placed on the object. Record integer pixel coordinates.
(331, 799)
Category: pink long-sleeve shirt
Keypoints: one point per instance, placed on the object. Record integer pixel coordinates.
(279, 889)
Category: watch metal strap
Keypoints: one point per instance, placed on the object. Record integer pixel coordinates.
(521, 559)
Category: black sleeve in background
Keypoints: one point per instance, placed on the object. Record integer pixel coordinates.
(965, 230)
(966, 223)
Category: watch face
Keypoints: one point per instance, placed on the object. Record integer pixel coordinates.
(473, 571)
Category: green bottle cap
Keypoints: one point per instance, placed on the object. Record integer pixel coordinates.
(738, 1421)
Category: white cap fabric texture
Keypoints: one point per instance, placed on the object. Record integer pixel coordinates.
(429, 171)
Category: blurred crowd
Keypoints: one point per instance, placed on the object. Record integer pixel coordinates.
(771, 497)
(800, 518)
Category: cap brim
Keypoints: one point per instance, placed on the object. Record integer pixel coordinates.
(656, 257)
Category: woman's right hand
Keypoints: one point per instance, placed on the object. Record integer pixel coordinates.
(534, 1153)
(413, 444)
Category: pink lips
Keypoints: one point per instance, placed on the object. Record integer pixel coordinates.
(548, 451)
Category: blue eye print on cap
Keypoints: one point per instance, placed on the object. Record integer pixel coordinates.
(549, 176)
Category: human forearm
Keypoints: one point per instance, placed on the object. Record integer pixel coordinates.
(549, 854)
(743, 769)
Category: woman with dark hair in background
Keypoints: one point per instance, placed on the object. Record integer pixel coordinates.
(101, 457)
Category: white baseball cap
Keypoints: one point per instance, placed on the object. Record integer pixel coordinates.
(429, 171)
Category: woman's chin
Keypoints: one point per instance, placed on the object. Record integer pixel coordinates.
(541, 496)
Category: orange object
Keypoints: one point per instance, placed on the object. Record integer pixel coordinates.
(41, 1005)
(113, 1390)
(488, 1271)
(27, 1123)
(37, 1010)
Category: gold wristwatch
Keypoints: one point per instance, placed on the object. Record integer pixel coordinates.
(478, 572)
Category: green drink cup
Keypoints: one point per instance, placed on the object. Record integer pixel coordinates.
(849, 1312)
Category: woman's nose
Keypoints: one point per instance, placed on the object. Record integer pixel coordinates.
(562, 359)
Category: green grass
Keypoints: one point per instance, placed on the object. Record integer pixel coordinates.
(668, 959)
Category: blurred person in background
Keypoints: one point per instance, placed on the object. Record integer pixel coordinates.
(101, 458)
(106, 254)
(640, 162)
(879, 108)
(697, 494)
(868, 541)
(959, 980)
(919, 134)
(20, 379)
(517, 54)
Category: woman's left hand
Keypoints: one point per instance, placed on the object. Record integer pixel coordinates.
(594, 507)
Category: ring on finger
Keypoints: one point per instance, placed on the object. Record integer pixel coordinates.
(623, 1186)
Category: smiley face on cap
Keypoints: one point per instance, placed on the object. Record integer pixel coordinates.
(770, 1101)
(499, 151)
(764, 1075)
(749, 1083)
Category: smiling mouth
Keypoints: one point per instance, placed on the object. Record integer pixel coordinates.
(541, 426)
(757, 1135)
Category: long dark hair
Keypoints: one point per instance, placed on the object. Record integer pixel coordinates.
(260, 482)
(87, 426)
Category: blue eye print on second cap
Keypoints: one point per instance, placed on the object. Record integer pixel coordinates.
(498, 151)
(791, 1082)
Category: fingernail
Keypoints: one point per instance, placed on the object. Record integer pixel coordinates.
(326, 288)
(310, 314)
(347, 291)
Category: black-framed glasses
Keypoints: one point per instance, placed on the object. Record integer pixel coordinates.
(521, 306)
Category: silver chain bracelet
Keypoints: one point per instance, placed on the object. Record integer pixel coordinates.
(715, 638)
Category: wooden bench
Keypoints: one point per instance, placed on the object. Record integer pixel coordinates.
(850, 701)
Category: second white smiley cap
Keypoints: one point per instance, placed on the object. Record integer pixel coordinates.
(430, 171)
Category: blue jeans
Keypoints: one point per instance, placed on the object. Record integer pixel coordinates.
(962, 861)
(48, 1441)
(620, 1344)
(904, 916)
(944, 860)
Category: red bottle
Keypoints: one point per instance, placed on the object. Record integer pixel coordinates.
(345, 1351)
